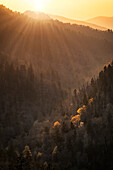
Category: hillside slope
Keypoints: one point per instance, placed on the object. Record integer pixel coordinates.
(46, 105)
(82, 140)
(52, 45)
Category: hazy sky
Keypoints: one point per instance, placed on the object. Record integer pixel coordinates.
(78, 9)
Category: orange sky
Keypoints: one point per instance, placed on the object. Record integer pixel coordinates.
(78, 9)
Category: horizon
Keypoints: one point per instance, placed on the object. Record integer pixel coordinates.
(73, 9)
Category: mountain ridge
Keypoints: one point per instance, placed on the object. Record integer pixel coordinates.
(43, 16)
(102, 21)
(73, 21)
(37, 15)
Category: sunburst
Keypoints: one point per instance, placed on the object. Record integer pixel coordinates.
(40, 4)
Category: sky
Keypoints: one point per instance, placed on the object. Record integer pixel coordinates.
(76, 9)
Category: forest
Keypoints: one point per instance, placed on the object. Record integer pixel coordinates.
(56, 102)
(82, 140)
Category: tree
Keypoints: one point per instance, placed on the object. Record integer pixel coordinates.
(27, 162)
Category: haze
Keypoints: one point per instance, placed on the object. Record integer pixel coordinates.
(79, 9)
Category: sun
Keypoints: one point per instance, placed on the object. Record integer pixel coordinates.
(40, 4)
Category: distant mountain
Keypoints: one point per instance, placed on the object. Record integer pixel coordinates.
(102, 21)
(37, 15)
(43, 16)
(72, 21)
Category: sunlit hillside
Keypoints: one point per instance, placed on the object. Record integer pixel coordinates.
(37, 15)
(48, 44)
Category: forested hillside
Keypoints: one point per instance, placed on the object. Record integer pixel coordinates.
(67, 49)
(24, 98)
(81, 140)
(51, 115)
